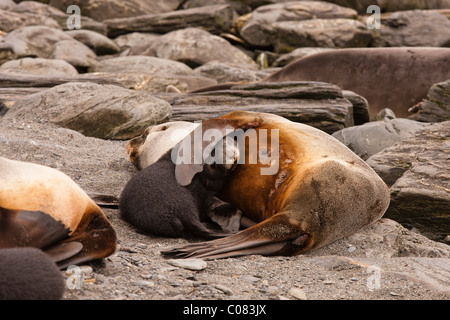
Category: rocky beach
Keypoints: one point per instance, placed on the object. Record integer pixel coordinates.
(74, 89)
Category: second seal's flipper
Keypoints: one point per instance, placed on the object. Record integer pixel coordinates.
(278, 235)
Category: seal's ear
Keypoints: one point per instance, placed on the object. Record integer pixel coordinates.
(191, 154)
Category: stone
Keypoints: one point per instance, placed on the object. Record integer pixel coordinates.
(360, 107)
(241, 7)
(260, 28)
(100, 10)
(226, 72)
(418, 28)
(39, 67)
(97, 42)
(75, 53)
(196, 47)
(214, 19)
(393, 5)
(190, 264)
(329, 33)
(318, 104)
(10, 20)
(145, 64)
(135, 43)
(102, 111)
(416, 170)
(45, 42)
(61, 17)
(297, 54)
(372, 137)
(298, 293)
(436, 107)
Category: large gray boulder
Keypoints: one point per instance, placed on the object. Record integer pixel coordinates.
(372, 137)
(102, 111)
(97, 42)
(196, 47)
(39, 67)
(418, 28)
(417, 171)
(260, 29)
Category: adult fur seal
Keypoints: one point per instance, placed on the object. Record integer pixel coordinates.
(395, 78)
(43, 208)
(321, 191)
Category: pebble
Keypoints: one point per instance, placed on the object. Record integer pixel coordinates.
(143, 283)
(224, 289)
(249, 278)
(298, 293)
(351, 249)
(190, 264)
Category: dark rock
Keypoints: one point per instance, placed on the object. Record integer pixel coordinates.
(102, 111)
(214, 19)
(315, 103)
(370, 138)
(436, 107)
(393, 5)
(360, 107)
(416, 169)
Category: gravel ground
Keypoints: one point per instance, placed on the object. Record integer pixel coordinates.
(363, 266)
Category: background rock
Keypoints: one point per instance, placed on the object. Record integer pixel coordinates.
(370, 138)
(214, 19)
(436, 107)
(135, 43)
(196, 47)
(144, 64)
(97, 42)
(39, 66)
(297, 54)
(102, 111)
(10, 21)
(416, 169)
(225, 72)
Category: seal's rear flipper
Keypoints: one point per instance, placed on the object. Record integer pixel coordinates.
(104, 200)
(64, 250)
(278, 235)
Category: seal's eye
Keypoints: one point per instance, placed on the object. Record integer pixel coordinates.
(163, 128)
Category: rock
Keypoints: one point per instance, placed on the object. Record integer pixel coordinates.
(102, 111)
(214, 19)
(436, 107)
(260, 29)
(416, 169)
(370, 138)
(419, 28)
(39, 67)
(315, 103)
(241, 7)
(75, 53)
(190, 264)
(10, 21)
(135, 43)
(151, 65)
(45, 42)
(196, 47)
(225, 72)
(61, 17)
(7, 4)
(393, 5)
(385, 114)
(97, 42)
(106, 9)
(298, 293)
(329, 33)
(360, 107)
(297, 54)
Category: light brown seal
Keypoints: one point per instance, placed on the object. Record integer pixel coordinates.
(43, 208)
(321, 191)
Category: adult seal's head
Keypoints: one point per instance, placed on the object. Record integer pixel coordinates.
(43, 208)
(303, 188)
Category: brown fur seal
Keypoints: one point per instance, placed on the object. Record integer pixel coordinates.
(395, 78)
(42, 207)
(320, 192)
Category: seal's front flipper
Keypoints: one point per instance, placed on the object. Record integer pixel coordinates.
(64, 250)
(278, 235)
